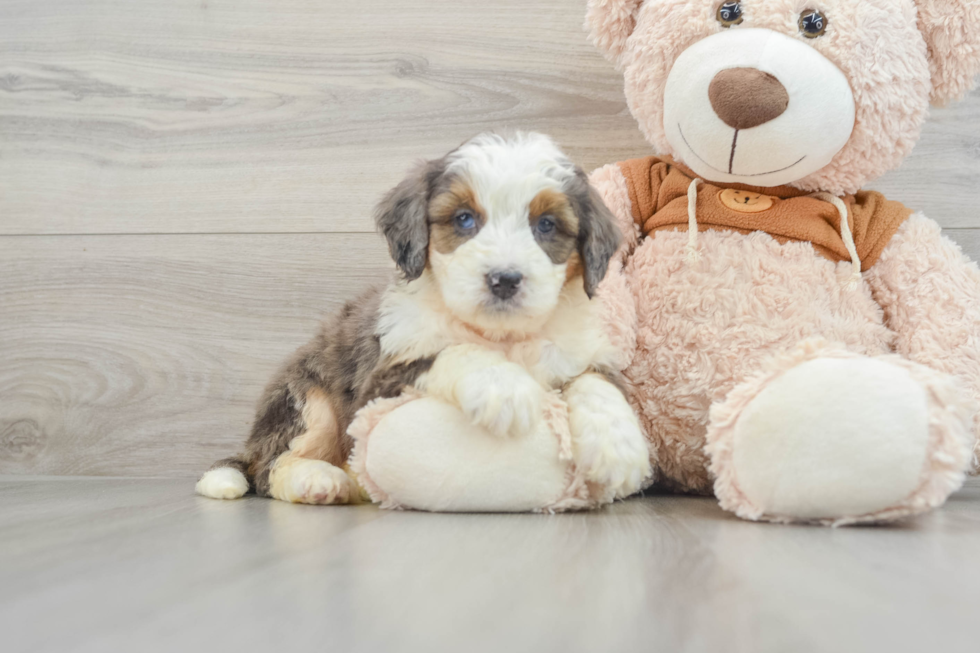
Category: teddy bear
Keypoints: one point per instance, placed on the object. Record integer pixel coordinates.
(805, 350)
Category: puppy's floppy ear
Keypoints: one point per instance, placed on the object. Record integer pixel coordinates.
(610, 23)
(598, 235)
(951, 29)
(402, 216)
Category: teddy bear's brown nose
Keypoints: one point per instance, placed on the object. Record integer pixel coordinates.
(747, 97)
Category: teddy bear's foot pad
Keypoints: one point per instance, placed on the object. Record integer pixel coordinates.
(841, 439)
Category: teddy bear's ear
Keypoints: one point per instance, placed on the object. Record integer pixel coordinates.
(610, 23)
(951, 29)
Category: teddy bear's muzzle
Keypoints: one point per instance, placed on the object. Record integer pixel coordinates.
(755, 106)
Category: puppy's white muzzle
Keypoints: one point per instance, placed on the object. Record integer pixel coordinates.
(782, 116)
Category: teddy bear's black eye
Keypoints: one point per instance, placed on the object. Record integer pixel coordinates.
(813, 24)
(730, 13)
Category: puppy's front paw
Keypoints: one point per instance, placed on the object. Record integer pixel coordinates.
(606, 437)
(614, 456)
(503, 399)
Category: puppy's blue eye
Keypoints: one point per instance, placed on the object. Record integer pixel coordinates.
(465, 221)
(545, 226)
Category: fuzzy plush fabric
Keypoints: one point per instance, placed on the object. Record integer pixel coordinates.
(705, 326)
(929, 291)
(952, 32)
(611, 22)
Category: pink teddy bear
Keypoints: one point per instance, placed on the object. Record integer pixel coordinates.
(808, 351)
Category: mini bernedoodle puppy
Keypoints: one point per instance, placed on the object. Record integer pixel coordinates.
(501, 244)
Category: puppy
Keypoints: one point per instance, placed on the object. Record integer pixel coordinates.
(500, 244)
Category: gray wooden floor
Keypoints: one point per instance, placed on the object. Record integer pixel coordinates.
(144, 565)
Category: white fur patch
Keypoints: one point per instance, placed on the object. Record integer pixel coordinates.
(493, 392)
(222, 483)
(606, 437)
(504, 399)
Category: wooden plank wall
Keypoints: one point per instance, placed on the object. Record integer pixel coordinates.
(185, 188)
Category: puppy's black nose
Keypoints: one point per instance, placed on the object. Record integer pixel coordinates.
(504, 284)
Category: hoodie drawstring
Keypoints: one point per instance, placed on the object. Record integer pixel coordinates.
(847, 235)
(693, 255)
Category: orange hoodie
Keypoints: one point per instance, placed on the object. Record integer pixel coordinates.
(658, 191)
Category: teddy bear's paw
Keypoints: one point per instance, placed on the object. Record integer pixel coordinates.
(304, 480)
(607, 441)
(504, 399)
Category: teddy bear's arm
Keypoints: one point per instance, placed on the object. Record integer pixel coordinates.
(930, 293)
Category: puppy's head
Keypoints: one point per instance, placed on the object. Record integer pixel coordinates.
(503, 225)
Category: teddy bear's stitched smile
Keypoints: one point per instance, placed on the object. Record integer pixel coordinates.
(731, 161)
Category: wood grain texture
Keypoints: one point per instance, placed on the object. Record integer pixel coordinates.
(246, 115)
(295, 115)
(144, 355)
(109, 565)
(185, 186)
(141, 355)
